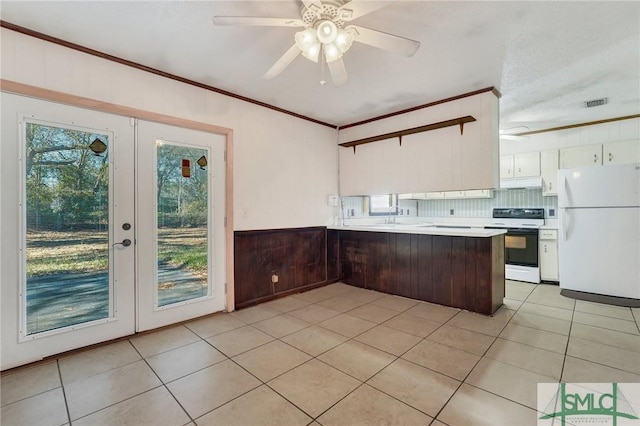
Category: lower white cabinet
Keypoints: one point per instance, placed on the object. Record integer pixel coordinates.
(548, 246)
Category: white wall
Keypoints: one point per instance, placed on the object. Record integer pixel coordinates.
(596, 134)
(284, 167)
(438, 160)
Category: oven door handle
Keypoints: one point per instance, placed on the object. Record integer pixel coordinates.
(522, 231)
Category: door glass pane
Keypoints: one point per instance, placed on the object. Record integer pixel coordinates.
(182, 215)
(67, 227)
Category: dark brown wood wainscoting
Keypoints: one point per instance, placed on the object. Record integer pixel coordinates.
(278, 262)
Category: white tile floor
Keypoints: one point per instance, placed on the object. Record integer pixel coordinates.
(337, 355)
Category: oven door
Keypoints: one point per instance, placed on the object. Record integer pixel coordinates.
(521, 247)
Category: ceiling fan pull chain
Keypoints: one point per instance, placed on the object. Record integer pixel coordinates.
(322, 61)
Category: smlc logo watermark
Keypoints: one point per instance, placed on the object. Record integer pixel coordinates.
(615, 404)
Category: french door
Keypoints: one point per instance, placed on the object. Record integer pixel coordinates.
(181, 225)
(108, 227)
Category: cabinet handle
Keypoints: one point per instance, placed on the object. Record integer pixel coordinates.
(550, 185)
(545, 248)
(610, 157)
(595, 158)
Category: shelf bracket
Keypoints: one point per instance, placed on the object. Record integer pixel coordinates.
(461, 128)
(400, 139)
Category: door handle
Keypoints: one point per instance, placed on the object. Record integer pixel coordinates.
(126, 242)
(610, 157)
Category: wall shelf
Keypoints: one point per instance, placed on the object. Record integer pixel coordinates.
(399, 134)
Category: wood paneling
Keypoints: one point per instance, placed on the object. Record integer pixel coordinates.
(425, 267)
(353, 254)
(333, 255)
(463, 272)
(441, 269)
(298, 257)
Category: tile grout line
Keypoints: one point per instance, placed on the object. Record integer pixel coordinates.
(64, 393)
(162, 384)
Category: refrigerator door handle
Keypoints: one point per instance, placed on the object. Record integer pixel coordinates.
(564, 195)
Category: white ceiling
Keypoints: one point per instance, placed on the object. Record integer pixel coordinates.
(546, 58)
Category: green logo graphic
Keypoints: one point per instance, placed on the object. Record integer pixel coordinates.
(586, 403)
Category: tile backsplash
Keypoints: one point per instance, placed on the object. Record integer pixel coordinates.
(464, 208)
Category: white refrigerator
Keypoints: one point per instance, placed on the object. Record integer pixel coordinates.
(599, 241)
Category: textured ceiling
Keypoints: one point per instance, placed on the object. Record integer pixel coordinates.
(546, 58)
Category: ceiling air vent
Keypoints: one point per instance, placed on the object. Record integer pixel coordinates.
(595, 103)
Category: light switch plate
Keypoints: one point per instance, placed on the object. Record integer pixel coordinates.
(332, 200)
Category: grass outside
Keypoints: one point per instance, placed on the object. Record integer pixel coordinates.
(55, 252)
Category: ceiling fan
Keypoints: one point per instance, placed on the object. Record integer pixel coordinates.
(325, 31)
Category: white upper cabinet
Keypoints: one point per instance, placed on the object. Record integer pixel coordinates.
(520, 165)
(527, 165)
(479, 193)
(454, 194)
(621, 152)
(549, 172)
(506, 166)
(581, 156)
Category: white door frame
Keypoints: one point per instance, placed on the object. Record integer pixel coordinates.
(96, 105)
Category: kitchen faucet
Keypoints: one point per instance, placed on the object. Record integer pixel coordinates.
(389, 217)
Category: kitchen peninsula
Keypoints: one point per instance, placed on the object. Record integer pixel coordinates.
(458, 267)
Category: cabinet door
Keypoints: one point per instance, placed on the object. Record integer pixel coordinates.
(353, 255)
(454, 194)
(478, 193)
(549, 172)
(581, 156)
(621, 152)
(434, 195)
(548, 246)
(527, 165)
(549, 260)
(506, 166)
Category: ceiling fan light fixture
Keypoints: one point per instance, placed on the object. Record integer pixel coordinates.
(332, 52)
(345, 38)
(308, 43)
(327, 31)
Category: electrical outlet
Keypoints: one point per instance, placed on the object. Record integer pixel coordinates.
(451, 212)
(274, 278)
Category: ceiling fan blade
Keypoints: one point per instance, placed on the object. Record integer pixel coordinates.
(338, 72)
(390, 42)
(257, 21)
(308, 3)
(355, 9)
(282, 63)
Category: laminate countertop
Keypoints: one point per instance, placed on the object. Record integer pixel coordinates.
(452, 231)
